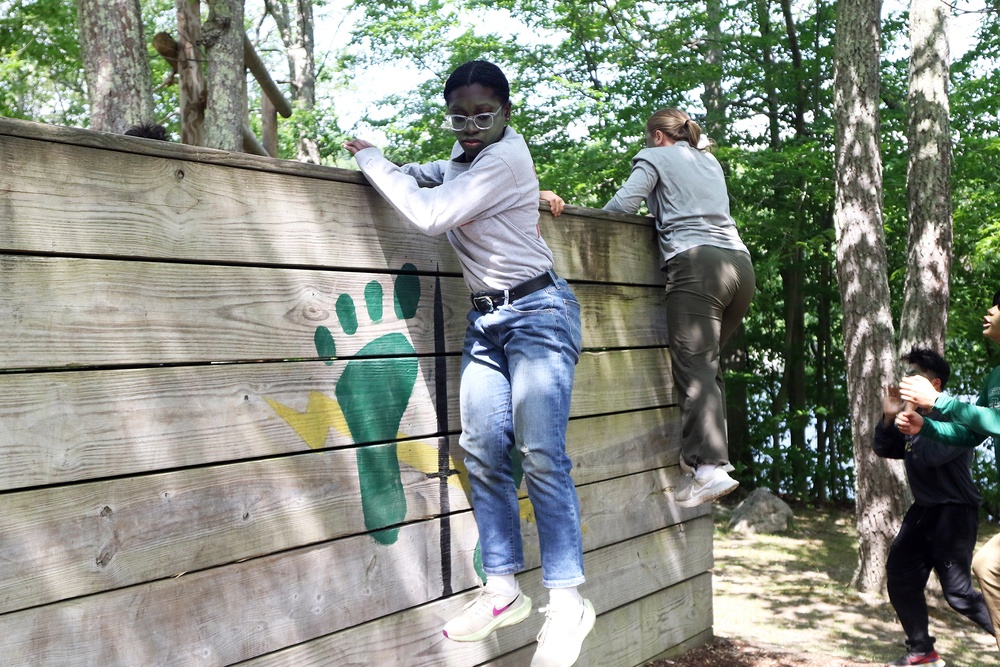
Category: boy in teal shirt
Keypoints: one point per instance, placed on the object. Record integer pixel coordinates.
(983, 419)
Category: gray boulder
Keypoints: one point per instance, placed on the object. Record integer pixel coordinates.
(761, 512)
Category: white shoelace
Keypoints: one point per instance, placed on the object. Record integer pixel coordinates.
(550, 613)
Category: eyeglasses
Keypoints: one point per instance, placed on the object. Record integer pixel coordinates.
(458, 122)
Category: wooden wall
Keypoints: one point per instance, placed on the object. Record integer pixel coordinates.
(191, 410)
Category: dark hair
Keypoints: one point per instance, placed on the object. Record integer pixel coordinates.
(996, 298)
(148, 131)
(484, 73)
(930, 362)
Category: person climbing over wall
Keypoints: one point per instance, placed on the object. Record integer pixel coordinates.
(710, 284)
(521, 347)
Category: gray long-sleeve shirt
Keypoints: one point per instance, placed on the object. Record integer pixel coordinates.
(685, 191)
(487, 207)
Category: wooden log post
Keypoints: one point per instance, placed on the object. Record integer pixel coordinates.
(267, 84)
(192, 79)
(180, 55)
(269, 125)
(272, 103)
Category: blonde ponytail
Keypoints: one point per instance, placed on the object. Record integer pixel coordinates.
(675, 124)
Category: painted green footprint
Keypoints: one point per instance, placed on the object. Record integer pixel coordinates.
(373, 395)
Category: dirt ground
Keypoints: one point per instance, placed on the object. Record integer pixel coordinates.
(786, 601)
(736, 653)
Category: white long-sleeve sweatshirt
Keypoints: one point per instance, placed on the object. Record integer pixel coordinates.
(487, 207)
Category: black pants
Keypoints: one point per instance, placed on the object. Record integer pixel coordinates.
(941, 538)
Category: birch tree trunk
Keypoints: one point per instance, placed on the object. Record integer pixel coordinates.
(295, 25)
(924, 319)
(222, 35)
(115, 64)
(880, 489)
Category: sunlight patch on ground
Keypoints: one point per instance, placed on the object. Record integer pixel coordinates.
(793, 592)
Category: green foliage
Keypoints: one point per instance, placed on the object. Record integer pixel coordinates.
(976, 196)
(40, 63)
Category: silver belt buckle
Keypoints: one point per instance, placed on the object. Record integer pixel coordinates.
(484, 304)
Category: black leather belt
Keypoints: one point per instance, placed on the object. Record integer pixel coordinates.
(488, 301)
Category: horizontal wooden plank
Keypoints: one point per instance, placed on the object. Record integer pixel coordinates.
(116, 143)
(57, 427)
(237, 612)
(221, 616)
(78, 425)
(642, 376)
(101, 536)
(85, 312)
(640, 630)
(625, 443)
(77, 200)
(106, 535)
(677, 602)
(73, 136)
(636, 632)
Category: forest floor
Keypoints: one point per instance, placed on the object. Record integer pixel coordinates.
(786, 601)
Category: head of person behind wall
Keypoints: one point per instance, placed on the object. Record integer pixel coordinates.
(668, 126)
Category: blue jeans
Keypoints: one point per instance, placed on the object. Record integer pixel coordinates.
(518, 364)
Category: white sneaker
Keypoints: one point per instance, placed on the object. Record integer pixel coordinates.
(562, 636)
(488, 612)
(709, 483)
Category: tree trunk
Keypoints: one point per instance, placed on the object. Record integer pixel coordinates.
(792, 287)
(714, 97)
(297, 36)
(734, 360)
(801, 92)
(793, 281)
(191, 90)
(826, 454)
(770, 92)
(222, 35)
(924, 319)
(115, 64)
(863, 281)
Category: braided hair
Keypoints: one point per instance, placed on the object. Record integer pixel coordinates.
(486, 74)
